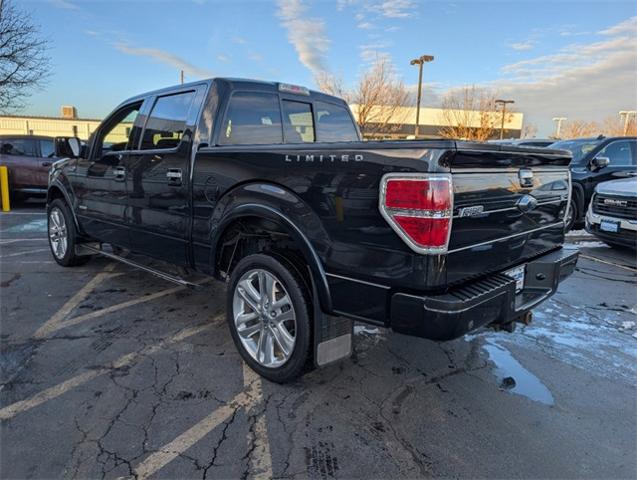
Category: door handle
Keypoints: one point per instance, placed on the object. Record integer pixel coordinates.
(174, 176)
(46, 164)
(120, 173)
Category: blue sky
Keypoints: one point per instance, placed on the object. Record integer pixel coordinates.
(563, 58)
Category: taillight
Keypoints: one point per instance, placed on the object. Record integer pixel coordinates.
(419, 208)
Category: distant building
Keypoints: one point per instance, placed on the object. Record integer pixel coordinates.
(401, 125)
(402, 122)
(68, 125)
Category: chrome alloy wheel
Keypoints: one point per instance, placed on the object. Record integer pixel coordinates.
(264, 318)
(58, 233)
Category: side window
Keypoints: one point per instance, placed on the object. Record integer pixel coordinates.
(618, 152)
(334, 123)
(116, 134)
(298, 122)
(167, 121)
(47, 149)
(19, 146)
(252, 119)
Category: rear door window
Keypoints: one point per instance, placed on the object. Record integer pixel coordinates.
(298, 122)
(47, 149)
(334, 123)
(20, 146)
(167, 121)
(252, 118)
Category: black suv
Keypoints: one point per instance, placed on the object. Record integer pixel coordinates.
(596, 160)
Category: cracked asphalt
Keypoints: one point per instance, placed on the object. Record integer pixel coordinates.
(108, 372)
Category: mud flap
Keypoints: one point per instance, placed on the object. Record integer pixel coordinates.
(333, 336)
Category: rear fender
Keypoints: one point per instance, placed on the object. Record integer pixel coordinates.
(283, 207)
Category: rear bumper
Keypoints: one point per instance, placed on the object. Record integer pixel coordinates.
(490, 300)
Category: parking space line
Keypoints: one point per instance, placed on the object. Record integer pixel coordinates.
(51, 324)
(247, 399)
(114, 308)
(595, 259)
(25, 253)
(14, 240)
(261, 459)
(55, 391)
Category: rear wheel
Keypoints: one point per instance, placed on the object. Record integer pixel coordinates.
(573, 215)
(269, 319)
(63, 235)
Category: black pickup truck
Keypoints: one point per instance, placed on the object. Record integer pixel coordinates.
(269, 187)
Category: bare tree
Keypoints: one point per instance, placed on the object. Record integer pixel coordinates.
(614, 127)
(470, 113)
(24, 64)
(378, 100)
(579, 129)
(529, 130)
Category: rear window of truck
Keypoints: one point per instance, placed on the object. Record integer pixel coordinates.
(255, 118)
(252, 119)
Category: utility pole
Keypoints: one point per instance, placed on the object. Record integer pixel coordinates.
(558, 125)
(420, 61)
(181, 76)
(504, 111)
(625, 114)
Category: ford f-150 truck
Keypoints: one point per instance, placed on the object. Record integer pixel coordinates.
(269, 187)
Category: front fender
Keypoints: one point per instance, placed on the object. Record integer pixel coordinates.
(58, 181)
(279, 205)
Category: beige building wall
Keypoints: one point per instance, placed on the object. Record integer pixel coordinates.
(58, 127)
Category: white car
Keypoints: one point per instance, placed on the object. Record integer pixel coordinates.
(612, 213)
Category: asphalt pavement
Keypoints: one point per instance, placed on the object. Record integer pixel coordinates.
(108, 372)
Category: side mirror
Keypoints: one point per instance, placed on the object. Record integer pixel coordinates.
(599, 162)
(68, 147)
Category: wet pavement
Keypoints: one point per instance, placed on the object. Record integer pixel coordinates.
(109, 372)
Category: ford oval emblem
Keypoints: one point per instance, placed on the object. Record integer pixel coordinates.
(526, 203)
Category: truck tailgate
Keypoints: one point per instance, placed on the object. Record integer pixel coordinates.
(509, 206)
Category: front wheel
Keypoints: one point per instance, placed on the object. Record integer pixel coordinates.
(269, 317)
(62, 235)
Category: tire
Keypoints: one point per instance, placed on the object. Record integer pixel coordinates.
(62, 234)
(272, 333)
(573, 215)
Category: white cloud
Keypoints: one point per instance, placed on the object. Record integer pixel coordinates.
(522, 46)
(64, 4)
(223, 58)
(587, 81)
(307, 35)
(397, 8)
(626, 27)
(166, 58)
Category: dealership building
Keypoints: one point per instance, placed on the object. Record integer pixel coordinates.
(400, 124)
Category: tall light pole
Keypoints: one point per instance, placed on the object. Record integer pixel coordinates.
(625, 114)
(558, 125)
(419, 61)
(504, 111)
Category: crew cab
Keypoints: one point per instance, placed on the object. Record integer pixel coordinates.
(270, 188)
(596, 160)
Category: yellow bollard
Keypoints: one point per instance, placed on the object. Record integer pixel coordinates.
(4, 188)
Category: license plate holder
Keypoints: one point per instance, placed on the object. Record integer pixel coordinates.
(517, 274)
(609, 226)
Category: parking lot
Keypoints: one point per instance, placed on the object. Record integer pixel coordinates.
(109, 372)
